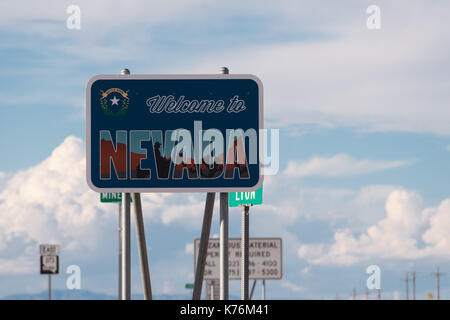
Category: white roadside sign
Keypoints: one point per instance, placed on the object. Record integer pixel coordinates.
(49, 249)
(265, 258)
(49, 258)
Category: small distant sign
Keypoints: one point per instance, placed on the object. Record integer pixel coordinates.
(49, 249)
(265, 258)
(111, 197)
(189, 286)
(49, 260)
(252, 198)
(49, 264)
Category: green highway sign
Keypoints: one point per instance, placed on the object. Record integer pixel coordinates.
(189, 286)
(236, 199)
(111, 197)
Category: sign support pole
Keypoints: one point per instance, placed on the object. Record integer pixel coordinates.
(263, 290)
(120, 250)
(253, 289)
(49, 287)
(203, 249)
(244, 252)
(140, 233)
(126, 247)
(224, 235)
(223, 246)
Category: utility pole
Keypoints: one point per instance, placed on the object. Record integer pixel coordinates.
(407, 285)
(414, 285)
(438, 275)
(354, 294)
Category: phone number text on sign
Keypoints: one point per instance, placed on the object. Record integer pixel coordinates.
(265, 258)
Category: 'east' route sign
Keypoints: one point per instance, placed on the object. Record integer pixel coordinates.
(170, 133)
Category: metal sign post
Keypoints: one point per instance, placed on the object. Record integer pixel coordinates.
(126, 247)
(223, 246)
(253, 289)
(245, 200)
(109, 197)
(120, 251)
(206, 228)
(244, 252)
(263, 296)
(224, 235)
(140, 235)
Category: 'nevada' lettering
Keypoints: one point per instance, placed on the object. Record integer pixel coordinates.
(115, 154)
(201, 155)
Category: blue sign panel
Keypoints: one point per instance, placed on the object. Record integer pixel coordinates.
(174, 133)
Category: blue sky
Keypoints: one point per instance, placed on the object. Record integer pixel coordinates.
(363, 118)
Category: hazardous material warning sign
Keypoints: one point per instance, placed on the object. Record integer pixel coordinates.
(265, 258)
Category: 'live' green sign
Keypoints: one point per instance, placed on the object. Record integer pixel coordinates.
(111, 197)
(236, 199)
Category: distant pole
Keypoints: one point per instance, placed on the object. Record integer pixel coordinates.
(413, 279)
(354, 294)
(379, 294)
(203, 247)
(49, 287)
(438, 275)
(224, 236)
(438, 297)
(407, 286)
(244, 252)
(367, 293)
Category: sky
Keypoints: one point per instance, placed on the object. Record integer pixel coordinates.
(364, 139)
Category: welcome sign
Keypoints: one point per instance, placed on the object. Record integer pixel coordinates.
(174, 133)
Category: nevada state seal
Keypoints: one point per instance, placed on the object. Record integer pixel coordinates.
(114, 101)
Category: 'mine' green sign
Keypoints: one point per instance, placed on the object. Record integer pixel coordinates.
(236, 199)
(111, 197)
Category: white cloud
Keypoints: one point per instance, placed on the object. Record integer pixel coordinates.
(331, 71)
(398, 236)
(339, 165)
(291, 286)
(51, 203)
(385, 80)
(189, 248)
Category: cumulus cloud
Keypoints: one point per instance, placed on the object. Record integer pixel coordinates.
(51, 203)
(408, 231)
(339, 165)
